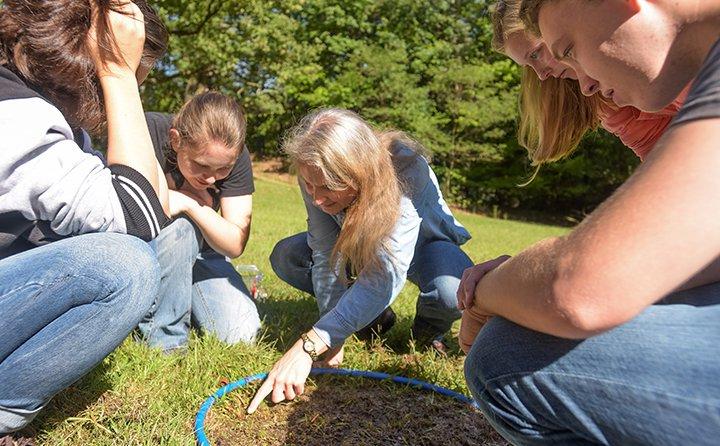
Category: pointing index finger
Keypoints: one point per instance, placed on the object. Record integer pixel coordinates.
(262, 392)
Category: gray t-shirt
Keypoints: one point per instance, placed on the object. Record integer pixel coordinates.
(703, 101)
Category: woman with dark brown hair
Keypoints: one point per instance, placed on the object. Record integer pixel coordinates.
(65, 66)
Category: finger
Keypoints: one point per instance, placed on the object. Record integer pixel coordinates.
(299, 389)
(461, 289)
(469, 286)
(460, 297)
(469, 328)
(278, 393)
(465, 347)
(289, 392)
(262, 392)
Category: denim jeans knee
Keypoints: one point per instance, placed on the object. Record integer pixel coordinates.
(167, 323)
(71, 303)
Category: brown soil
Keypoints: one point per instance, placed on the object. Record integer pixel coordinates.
(274, 169)
(349, 411)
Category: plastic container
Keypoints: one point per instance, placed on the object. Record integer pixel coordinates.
(252, 277)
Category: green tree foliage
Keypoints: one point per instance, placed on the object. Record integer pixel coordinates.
(423, 66)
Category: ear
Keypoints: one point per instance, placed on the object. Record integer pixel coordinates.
(174, 139)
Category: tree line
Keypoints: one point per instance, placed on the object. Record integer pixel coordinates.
(423, 66)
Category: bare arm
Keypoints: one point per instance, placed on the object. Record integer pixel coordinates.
(653, 235)
(129, 141)
(227, 233)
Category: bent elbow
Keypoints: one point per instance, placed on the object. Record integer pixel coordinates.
(235, 252)
(586, 313)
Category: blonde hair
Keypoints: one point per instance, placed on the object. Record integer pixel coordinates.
(529, 14)
(350, 153)
(554, 114)
(211, 117)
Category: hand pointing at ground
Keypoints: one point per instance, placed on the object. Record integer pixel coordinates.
(287, 378)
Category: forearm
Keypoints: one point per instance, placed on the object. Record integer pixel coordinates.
(710, 274)
(524, 290)
(652, 237)
(128, 137)
(223, 236)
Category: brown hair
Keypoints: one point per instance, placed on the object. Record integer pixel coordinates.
(350, 153)
(506, 21)
(44, 42)
(529, 13)
(211, 116)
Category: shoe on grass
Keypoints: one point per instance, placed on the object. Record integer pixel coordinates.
(381, 325)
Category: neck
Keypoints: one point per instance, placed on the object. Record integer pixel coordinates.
(697, 25)
(701, 16)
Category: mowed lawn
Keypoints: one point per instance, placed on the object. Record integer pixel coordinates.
(140, 396)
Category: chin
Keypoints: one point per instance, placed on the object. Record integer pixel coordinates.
(657, 99)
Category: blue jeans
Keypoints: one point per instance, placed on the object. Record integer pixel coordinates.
(65, 307)
(436, 269)
(196, 289)
(651, 381)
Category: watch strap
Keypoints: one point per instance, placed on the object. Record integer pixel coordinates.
(310, 350)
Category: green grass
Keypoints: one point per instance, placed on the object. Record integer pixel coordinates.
(139, 396)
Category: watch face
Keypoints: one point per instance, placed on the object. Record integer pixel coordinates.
(308, 345)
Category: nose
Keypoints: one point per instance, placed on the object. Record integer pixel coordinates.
(588, 85)
(542, 70)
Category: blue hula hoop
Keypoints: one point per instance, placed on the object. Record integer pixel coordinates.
(221, 392)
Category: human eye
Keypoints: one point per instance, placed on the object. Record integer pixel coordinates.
(568, 53)
(535, 55)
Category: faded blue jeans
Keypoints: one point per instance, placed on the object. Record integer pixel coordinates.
(196, 289)
(436, 269)
(65, 306)
(652, 381)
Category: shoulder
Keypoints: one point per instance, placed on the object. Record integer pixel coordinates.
(27, 121)
(412, 168)
(159, 125)
(703, 99)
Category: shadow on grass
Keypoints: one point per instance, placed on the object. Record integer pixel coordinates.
(71, 402)
(285, 319)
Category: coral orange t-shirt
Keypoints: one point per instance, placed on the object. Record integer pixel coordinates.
(637, 129)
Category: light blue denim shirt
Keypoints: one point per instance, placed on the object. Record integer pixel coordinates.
(424, 217)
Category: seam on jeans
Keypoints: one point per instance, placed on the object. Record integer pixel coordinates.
(53, 285)
(515, 376)
(60, 280)
(203, 301)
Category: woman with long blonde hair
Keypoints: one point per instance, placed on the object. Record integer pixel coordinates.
(375, 217)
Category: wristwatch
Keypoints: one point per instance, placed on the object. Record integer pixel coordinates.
(309, 346)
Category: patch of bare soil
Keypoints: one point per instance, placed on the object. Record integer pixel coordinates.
(349, 411)
(275, 169)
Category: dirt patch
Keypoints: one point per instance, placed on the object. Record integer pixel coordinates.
(349, 411)
(274, 169)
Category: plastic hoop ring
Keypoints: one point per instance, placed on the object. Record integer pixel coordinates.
(202, 439)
